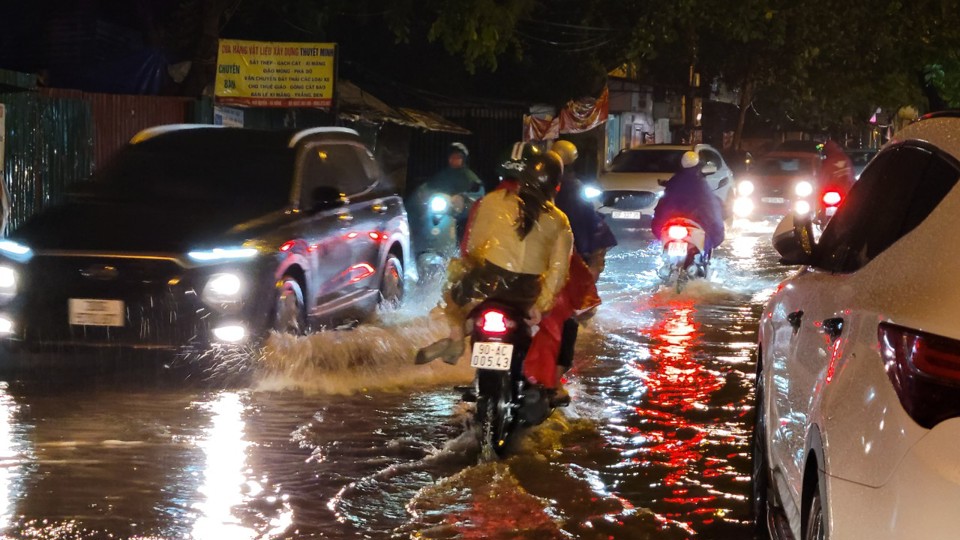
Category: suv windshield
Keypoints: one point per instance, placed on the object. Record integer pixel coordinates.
(210, 173)
(648, 161)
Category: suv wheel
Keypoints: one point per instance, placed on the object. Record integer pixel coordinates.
(391, 286)
(291, 313)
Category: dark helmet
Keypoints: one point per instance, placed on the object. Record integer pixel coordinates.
(544, 170)
(512, 163)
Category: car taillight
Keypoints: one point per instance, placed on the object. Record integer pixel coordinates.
(493, 322)
(677, 232)
(925, 371)
(832, 198)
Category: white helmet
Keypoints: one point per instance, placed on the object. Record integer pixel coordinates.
(689, 159)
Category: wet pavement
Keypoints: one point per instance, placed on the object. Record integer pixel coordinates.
(337, 435)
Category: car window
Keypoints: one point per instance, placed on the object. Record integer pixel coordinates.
(893, 196)
(711, 157)
(783, 166)
(335, 166)
(648, 161)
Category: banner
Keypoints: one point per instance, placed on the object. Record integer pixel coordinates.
(274, 74)
(578, 116)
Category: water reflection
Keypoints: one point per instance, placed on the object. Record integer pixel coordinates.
(12, 449)
(224, 480)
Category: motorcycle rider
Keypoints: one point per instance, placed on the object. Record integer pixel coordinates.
(836, 170)
(459, 182)
(688, 195)
(517, 249)
(553, 346)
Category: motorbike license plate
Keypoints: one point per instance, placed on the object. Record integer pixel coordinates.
(677, 249)
(494, 356)
(773, 200)
(91, 312)
(626, 215)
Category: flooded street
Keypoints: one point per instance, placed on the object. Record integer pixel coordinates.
(340, 436)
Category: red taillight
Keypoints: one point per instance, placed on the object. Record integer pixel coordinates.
(925, 371)
(493, 322)
(832, 198)
(287, 246)
(677, 232)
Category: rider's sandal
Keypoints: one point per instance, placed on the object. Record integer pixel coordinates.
(446, 349)
(559, 397)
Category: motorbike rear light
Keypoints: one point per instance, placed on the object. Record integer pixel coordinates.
(493, 322)
(677, 232)
(925, 371)
(832, 198)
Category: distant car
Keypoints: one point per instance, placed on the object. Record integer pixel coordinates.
(860, 157)
(196, 235)
(858, 370)
(629, 190)
(779, 183)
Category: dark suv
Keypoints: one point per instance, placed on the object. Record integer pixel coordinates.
(195, 235)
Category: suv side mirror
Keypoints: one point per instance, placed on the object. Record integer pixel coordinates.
(794, 241)
(326, 198)
(709, 168)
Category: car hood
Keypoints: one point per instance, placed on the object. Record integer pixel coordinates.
(93, 226)
(612, 181)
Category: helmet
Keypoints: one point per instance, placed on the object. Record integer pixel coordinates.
(460, 148)
(689, 159)
(566, 150)
(513, 162)
(545, 171)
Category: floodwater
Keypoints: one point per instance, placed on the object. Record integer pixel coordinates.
(338, 435)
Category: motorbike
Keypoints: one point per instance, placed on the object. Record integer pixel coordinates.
(434, 231)
(684, 257)
(505, 400)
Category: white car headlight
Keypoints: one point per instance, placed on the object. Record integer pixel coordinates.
(8, 281)
(223, 254)
(15, 251)
(802, 207)
(223, 289)
(803, 188)
(591, 192)
(745, 188)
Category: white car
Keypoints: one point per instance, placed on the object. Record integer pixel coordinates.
(629, 190)
(858, 382)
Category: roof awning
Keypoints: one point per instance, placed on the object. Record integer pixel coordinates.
(359, 105)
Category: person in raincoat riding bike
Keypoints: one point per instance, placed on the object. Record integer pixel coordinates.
(688, 195)
(516, 248)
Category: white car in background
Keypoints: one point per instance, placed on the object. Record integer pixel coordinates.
(858, 382)
(629, 190)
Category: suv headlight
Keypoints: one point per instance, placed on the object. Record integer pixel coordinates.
(745, 188)
(8, 281)
(223, 288)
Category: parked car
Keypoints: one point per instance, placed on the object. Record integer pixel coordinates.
(779, 183)
(196, 235)
(858, 367)
(860, 157)
(629, 190)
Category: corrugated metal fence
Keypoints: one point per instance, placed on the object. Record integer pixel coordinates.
(56, 137)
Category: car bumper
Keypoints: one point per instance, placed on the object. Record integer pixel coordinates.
(920, 499)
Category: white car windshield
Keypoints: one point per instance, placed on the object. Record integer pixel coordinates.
(648, 161)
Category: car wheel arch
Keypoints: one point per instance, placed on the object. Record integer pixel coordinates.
(813, 478)
(295, 271)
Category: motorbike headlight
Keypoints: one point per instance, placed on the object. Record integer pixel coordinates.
(8, 281)
(803, 188)
(745, 188)
(802, 207)
(438, 204)
(591, 192)
(223, 289)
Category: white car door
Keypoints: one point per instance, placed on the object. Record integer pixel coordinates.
(721, 180)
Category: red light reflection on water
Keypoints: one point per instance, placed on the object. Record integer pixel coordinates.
(678, 387)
